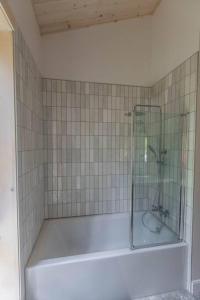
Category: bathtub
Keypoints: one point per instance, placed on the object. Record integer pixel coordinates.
(88, 258)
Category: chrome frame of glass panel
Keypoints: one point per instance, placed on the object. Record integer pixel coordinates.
(182, 186)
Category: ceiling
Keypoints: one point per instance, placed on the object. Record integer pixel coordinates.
(4, 21)
(60, 15)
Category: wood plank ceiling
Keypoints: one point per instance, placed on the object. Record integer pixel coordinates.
(60, 15)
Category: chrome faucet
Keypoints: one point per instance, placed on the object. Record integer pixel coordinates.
(159, 208)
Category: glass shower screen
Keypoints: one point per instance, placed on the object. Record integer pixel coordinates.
(156, 177)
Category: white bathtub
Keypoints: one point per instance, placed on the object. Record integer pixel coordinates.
(88, 258)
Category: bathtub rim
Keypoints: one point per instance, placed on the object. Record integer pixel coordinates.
(55, 261)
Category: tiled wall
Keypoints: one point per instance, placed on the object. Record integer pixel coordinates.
(88, 139)
(176, 93)
(29, 122)
(87, 146)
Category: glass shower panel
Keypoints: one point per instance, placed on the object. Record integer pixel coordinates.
(156, 176)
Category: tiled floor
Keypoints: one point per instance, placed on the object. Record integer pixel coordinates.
(182, 295)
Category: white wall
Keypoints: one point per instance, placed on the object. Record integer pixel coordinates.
(114, 53)
(139, 51)
(25, 18)
(118, 52)
(175, 34)
(9, 269)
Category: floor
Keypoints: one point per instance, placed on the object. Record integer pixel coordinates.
(180, 295)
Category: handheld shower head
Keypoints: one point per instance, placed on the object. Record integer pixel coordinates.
(153, 151)
(160, 156)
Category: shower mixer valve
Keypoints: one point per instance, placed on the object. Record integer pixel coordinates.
(159, 208)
